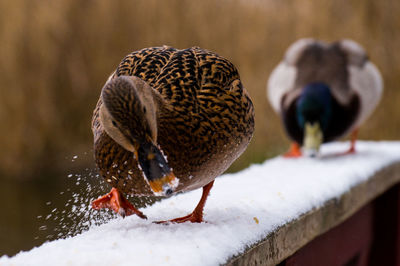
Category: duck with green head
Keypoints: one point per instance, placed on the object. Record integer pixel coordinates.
(323, 92)
(169, 121)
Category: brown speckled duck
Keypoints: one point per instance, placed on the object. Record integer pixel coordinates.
(323, 91)
(167, 121)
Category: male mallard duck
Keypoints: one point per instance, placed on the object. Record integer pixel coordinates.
(323, 92)
(169, 120)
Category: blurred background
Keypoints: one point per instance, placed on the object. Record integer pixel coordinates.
(55, 57)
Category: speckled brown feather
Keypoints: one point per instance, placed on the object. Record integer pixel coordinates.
(206, 123)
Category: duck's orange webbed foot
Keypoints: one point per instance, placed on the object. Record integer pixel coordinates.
(118, 203)
(193, 218)
(352, 149)
(294, 151)
(197, 215)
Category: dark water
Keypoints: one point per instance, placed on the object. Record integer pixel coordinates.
(47, 208)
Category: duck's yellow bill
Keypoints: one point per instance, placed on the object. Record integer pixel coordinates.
(313, 137)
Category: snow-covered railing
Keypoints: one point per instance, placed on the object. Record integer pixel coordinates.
(261, 215)
(290, 237)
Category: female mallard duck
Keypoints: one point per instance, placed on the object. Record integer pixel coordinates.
(323, 92)
(169, 120)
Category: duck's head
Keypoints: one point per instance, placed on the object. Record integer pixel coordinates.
(129, 116)
(314, 112)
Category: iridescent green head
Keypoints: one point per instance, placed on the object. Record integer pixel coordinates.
(313, 113)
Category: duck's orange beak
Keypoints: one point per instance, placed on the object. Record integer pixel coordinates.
(156, 169)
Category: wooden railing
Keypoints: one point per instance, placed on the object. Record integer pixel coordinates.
(362, 227)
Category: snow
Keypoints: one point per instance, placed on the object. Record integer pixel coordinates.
(241, 210)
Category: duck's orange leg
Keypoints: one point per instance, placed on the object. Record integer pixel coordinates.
(197, 215)
(353, 140)
(294, 151)
(118, 203)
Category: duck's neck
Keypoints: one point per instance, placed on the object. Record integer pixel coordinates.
(314, 105)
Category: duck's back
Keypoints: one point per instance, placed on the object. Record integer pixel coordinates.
(327, 64)
(211, 117)
(188, 78)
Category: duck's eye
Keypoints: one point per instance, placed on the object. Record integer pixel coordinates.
(114, 123)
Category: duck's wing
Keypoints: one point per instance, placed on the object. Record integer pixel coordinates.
(364, 78)
(283, 77)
